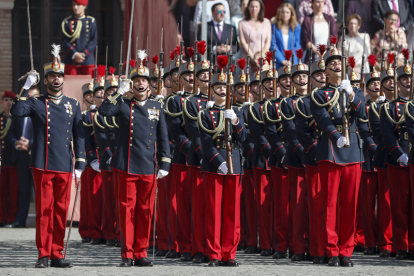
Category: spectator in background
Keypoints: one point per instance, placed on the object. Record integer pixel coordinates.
(388, 40)
(271, 6)
(380, 7)
(209, 14)
(259, 29)
(306, 8)
(237, 18)
(235, 8)
(283, 26)
(354, 43)
(323, 26)
(363, 9)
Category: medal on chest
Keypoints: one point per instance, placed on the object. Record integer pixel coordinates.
(153, 114)
(68, 107)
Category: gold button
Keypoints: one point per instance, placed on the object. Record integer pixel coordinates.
(132, 130)
(48, 120)
(149, 141)
(132, 124)
(67, 138)
(152, 127)
(333, 118)
(48, 113)
(48, 143)
(350, 124)
(317, 130)
(69, 123)
(48, 135)
(218, 140)
(281, 130)
(66, 146)
(87, 30)
(48, 127)
(67, 130)
(153, 121)
(148, 148)
(130, 138)
(150, 134)
(70, 116)
(130, 145)
(132, 117)
(218, 147)
(48, 106)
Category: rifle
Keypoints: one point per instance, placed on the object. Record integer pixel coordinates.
(146, 62)
(161, 70)
(95, 73)
(395, 70)
(210, 70)
(227, 133)
(412, 74)
(261, 68)
(292, 89)
(136, 52)
(233, 89)
(121, 64)
(106, 63)
(328, 48)
(180, 88)
(344, 95)
(274, 69)
(215, 62)
(247, 93)
(195, 63)
(309, 66)
(362, 83)
(383, 60)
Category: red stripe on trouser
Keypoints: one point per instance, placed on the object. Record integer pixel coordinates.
(84, 205)
(316, 237)
(384, 211)
(162, 214)
(136, 206)
(281, 191)
(198, 195)
(109, 217)
(368, 192)
(400, 198)
(9, 194)
(297, 179)
(172, 210)
(183, 187)
(95, 204)
(263, 192)
(222, 215)
(359, 238)
(250, 208)
(117, 222)
(335, 178)
(52, 197)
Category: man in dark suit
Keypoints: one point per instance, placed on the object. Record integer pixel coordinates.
(221, 32)
(380, 7)
(22, 139)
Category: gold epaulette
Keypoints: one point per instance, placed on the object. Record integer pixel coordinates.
(66, 19)
(92, 18)
(77, 103)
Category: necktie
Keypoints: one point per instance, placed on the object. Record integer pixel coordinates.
(394, 7)
(219, 32)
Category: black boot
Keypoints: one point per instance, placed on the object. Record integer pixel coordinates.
(127, 262)
(62, 263)
(42, 263)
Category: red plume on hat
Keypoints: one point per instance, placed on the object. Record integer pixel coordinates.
(155, 59)
(262, 60)
(269, 56)
(177, 50)
(232, 68)
(81, 2)
(172, 55)
(372, 60)
(111, 70)
(132, 63)
(351, 62)
(190, 52)
(201, 47)
(241, 63)
(299, 54)
(101, 70)
(322, 49)
(288, 54)
(406, 54)
(222, 61)
(9, 94)
(390, 59)
(333, 39)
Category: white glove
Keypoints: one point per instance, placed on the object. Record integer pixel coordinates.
(109, 161)
(159, 97)
(341, 142)
(223, 168)
(403, 159)
(209, 104)
(230, 114)
(346, 85)
(30, 80)
(246, 103)
(124, 86)
(381, 99)
(95, 165)
(201, 161)
(162, 174)
(78, 174)
(283, 159)
(93, 106)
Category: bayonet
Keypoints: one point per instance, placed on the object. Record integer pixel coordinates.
(161, 70)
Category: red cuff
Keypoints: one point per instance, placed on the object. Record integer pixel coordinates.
(277, 149)
(183, 144)
(296, 147)
(90, 152)
(70, 49)
(354, 105)
(331, 133)
(238, 129)
(264, 147)
(214, 156)
(198, 148)
(86, 51)
(105, 150)
(370, 146)
(394, 148)
(311, 146)
(250, 152)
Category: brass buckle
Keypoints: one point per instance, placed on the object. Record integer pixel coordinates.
(339, 128)
(406, 136)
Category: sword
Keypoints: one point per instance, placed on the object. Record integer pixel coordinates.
(161, 70)
(129, 39)
(121, 64)
(73, 214)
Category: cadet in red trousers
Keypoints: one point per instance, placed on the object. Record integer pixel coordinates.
(141, 124)
(222, 189)
(56, 120)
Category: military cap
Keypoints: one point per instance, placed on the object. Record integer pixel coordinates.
(56, 66)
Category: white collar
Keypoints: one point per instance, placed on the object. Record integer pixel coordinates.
(218, 23)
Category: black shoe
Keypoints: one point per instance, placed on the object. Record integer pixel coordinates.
(151, 249)
(127, 262)
(266, 252)
(393, 254)
(309, 257)
(346, 261)
(206, 259)
(111, 242)
(298, 257)
(250, 250)
(319, 260)
(95, 241)
(230, 262)
(86, 240)
(143, 262)
(186, 257)
(241, 246)
(198, 258)
(385, 254)
(214, 262)
(172, 254)
(411, 254)
(279, 255)
(15, 224)
(291, 253)
(118, 244)
(333, 261)
(62, 263)
(370, 251)
(161, 253)
(401, 255)
(42, 263)
(360, 248)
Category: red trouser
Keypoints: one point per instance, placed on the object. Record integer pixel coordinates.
(339, 184)
(359, 239)
(9, 194)
(109, 214)
(263, 193)
(281, 191)
(243, 220)
(183, 189)
(162, 213)
(117, 221)
(136, 206)
(198, 195)
(52, 197)
(84, 205)
(316, 236)
(400, 197)
(384, 211)
(95, 204)
(250, 208)
(297, 179)
(172, 210)
(79, 70)
(222, 215)
(368, 192)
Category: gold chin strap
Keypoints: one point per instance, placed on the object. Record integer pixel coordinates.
(76, 33)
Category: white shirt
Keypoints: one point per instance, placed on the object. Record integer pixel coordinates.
(285, 41)
(356, 49)
(321, 33)
(396, 4)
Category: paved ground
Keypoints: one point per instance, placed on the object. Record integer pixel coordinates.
(18, 254)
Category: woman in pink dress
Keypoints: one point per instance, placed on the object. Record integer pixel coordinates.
(259, 29)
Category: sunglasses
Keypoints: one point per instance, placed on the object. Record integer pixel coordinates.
(221, 12)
